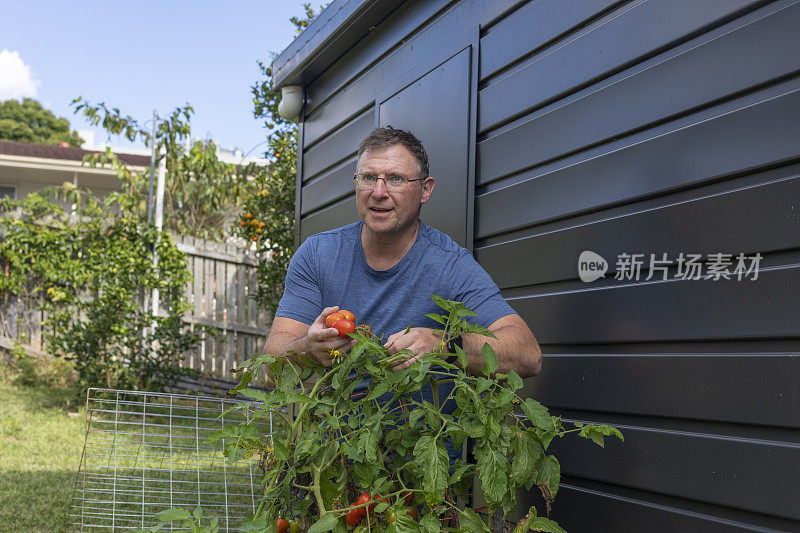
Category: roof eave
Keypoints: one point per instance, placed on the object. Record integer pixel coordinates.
(336, 30)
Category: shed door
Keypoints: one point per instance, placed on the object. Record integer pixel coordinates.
(435, 108)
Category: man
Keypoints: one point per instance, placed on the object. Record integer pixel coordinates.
(385, 268)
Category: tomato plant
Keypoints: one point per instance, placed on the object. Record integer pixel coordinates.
(352, 438)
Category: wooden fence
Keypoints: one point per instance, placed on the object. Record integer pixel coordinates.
(224, 277)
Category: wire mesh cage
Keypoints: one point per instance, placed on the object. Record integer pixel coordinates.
(146, 452)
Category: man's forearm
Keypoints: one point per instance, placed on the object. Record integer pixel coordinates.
(515, 350)
(281, 343)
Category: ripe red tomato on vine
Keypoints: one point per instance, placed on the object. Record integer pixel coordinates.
(283, 525)
(363, 499)
(354, 516)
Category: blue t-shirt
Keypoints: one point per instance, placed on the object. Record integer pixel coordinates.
(330, 269)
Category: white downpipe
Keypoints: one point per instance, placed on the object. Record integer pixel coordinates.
(159, 223)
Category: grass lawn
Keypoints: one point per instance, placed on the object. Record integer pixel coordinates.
(41, 439)
(42, 433)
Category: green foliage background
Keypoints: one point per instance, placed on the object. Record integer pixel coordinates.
(202, 196)
(29, 122)
(88, 267)
(274, 199)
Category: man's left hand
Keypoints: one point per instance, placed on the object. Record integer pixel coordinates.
(419, 340)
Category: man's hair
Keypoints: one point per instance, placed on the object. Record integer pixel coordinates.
(383, 138)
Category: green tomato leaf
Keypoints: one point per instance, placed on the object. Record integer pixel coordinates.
(415, 416)
(378, 390)
(548, 471)
(543, 524)
(594, 434)
(431, 458)
(280, 450)
(527, 453)
(597, 433)
(444, 304)
(329, 487)
(493, 473)
(462, 356)
(253, 525)
(172, 515)
(405, 524)
(430, 524)
(437, 318)
(464, 311)
(514, 381)
(326, 523)
(489, 359)
(537, 414)
(471, 522)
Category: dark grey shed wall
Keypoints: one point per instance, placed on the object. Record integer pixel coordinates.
(618, 127)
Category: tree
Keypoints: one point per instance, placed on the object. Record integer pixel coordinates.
(271, 208)
(86, 268)
(31, 123)
(202, 195)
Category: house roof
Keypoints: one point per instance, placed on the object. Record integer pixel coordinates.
(336, 30)
(66, 153)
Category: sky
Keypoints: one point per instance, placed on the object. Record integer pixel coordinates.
(146, 55)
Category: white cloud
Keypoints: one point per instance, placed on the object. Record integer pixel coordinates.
(17, 79)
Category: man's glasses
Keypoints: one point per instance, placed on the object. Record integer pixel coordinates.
(368, 182)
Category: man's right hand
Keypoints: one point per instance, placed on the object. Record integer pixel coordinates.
(322, 341)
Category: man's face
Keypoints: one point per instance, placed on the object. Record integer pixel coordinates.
(386, 211)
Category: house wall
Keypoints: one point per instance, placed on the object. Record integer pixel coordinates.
(32, 176)
(632, 127)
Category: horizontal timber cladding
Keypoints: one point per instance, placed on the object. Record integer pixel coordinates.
(515, 36)
(402, 42)
(730, 221)
(333, 216)
(753, 131)
(340, 145)
(583, 505)
(744, 473)
(699, 386)
(624, 36)
(329, 187)
(693, 74)
(674, 310)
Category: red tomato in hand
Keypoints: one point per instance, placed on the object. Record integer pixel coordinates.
(344, 327)
(353, 516)
(332, 318)
(283, 525)
(347, 315)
